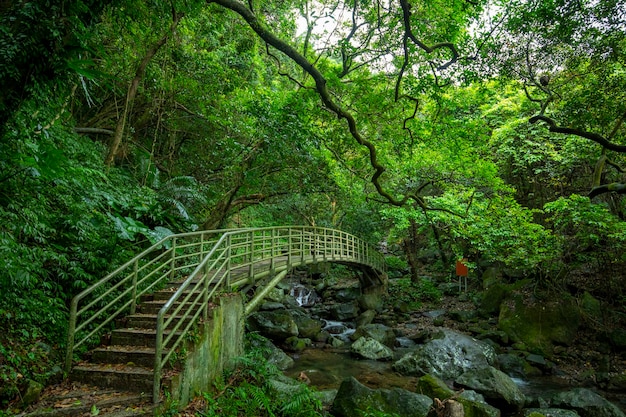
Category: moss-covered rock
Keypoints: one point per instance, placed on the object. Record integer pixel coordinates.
(540, 325)
(433, 387)
(492, 298)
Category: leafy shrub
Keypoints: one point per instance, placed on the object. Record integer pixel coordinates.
(414, 294)
(246, 391)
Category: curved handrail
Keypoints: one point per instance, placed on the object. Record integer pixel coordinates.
(215, 260)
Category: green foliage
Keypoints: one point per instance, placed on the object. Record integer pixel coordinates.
(412, 293)
(587, 232)
(248, 391)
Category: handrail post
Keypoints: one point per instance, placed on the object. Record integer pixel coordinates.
(289, 246)
(71, 336)
(251, 271)
(158, 353)
(205, 307)
(272, 251)
(173, 260)
(228, 253)
(133, 305)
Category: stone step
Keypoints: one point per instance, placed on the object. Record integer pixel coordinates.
(122, 377)
(80, 400)
(148, 321)
(125, 355)
(153, 307)
(136, 337)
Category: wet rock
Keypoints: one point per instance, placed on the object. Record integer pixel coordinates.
(473, 403)
(447, 356)
(335, 342)
(354, 398)
(307, 327)
(497, 387)
(369, 348)
(297, 344)
(365, 318)
(274, 355)
(346, 295)
(277, 325)
(586, 403)
(378, 332)
(515, 366)
(552, 412)
(344, 311)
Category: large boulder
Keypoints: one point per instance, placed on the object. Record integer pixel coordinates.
(377, 331)
(369, 348)
(447, 356)
(307, 327)
(497, 387)
(272, 354)
(344, 311)
(540, 325)
(276, 324)
(473, 404)
(354, 398)
(586, 403)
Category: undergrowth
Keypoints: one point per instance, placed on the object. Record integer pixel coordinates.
(256, 388)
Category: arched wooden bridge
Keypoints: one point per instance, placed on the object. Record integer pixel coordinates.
(203, 264)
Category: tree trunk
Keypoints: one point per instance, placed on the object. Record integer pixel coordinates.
(132, 91)
(410, 246)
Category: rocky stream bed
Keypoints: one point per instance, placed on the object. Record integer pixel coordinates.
(455, 358)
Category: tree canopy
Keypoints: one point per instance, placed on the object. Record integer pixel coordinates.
(487, 129)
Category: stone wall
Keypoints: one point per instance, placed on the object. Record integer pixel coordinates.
(213, 348)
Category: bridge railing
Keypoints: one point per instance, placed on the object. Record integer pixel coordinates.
(94, 309)
(213, 261)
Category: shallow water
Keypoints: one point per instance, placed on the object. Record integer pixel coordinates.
(327, 368)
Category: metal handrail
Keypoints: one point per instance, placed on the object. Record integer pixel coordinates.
(214, 261)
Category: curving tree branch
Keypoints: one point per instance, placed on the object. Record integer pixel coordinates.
(320, 83)
(553, 127)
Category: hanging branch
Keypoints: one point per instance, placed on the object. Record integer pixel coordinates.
(116, 141)
(320, 84)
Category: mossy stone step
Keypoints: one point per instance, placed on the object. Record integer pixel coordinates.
(137, 337)
(123, 377)
(135, 355)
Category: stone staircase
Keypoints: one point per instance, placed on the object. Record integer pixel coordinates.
(126, 361)
(115, 379)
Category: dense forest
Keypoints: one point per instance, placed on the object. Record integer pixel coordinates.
(491, 130)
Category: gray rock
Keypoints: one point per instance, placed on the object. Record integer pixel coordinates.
(497, 387)
(369, 348)
(335, 342)
(552, 412)
(354, 398)
(277, 324)
(345, 311)
(307, 327)
(346, 295)
(273, 354)
(379, 332)
(586, 403)
(447, 356)
(365, 318)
